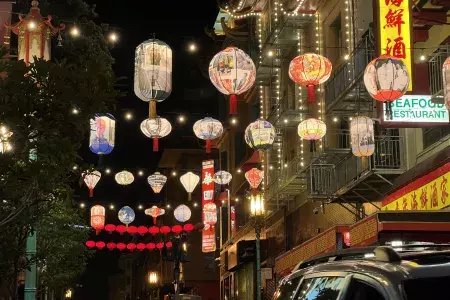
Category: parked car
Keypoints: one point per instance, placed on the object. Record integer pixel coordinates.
(374, 273)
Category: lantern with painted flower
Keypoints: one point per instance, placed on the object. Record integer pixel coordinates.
(233, 73)
(97, 218)
(189, 182)
(312, 129)
(182, 213)
(91, 179)
(154, 212)
(155, 129)
(103, 128)
(126, 215)
(156, 182)
(446, 81)
(124, 178)
(222, 177)
(309, 70)
(254, 178)
(208, 129)
(260, 135)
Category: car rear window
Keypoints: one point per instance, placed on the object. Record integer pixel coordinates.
(427, 288)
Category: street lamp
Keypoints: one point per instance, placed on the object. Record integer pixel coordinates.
(69, 294)
(153, 278)
(257, 211)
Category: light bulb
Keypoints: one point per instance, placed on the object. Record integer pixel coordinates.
(113, 37)
(32, 25)
(75, 31)
(108, 171)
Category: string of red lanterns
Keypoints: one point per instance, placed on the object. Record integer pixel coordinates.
(100, 245)
(143, 230)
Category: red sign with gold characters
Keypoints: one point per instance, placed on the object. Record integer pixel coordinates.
(394, 26)
(209, 215)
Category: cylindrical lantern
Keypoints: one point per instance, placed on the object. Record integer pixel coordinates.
(254, 177)
(154, 212)
(309, 70)
(124, 178)
(126, 215)
(91, 179)
(233, 73)
(208, 129)
(189, 182)
(182, 213)
(260, 135)
(153, 73)
(97, 218)
(157, 182)
(103, 127)
(155, 129)
(446, 81)
(362, 134)
(312, 129)
(222, 177)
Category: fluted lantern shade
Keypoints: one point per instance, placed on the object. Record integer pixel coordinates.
(124, 178)
(362, 134)
(97, 218)
(232, 72)
(155, 129)
(153, 73)
(156, 182)
(312, 129)
(208, 129)
(154, 212)
(103, 127)
(182, 213)
(222, 177)
(260, 135)
(257, 205)
(91, 179)
(189, 182)
(254, 177)
(309, 70)
(446, 81)
(126, 215)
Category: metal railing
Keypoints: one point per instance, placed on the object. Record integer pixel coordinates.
(337, 139)
(435, 63)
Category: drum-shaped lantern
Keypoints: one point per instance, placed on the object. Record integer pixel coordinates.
(156, 182)
(260, 135)
(208, 129)
(155, 129)
(222, 177)
(363, 138)
(446, 82)
(312, 129)
(103, 127)
(91, 179)
(124, 178)
(97, 218)
(189, 182)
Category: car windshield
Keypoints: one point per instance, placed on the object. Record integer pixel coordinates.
(287, 289)
(427, 288)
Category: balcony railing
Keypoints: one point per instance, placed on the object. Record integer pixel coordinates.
(435, 63)
(337, 140)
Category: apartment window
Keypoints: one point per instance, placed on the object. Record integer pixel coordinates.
(434, 134)
(335, 39)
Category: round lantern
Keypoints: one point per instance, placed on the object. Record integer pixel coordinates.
(154, 212)
(165, 230)
(151, 246)
(160, 246)
(132, 230)
(177, 229)
(188, 227)
(100, 245)
(131, 246)
(312, 129)
(446, 81)
(362, 134)
(309, 70)
(222, 177)
(140, 246)
(111, 246)
(182, 213)
(121, 229)
(142, 230)
(153, 73)
(126, 215)
(124, 178)
(155, 129)
(169, 245)
(121, 246)
(157, 182)
(103, 128)
(97, 218)
(189, 182)
(208, 129)
(260, 135)
(91, 179)
(232, 72)
(110, 228)
(254, 177)
(154, 230)
(90, 244)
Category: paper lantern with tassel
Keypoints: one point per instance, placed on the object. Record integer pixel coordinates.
(155, 129)
(312, 129)
(208, 129)
(189, 182)
(91, 179)
(156, 182)
(102, 135)
(97, 218)
(363, 137)
(260, 135)
(121, 246)
(111, 246)
(154, 212)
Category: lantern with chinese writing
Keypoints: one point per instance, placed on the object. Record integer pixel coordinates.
(232, 72)
(91, 179)
(124, 178)
(386, 79)
(312, 129)
(103, 128)
(362, 134)
(154, 212)
(254, 177)
(157, 182)
(208, 129)
(446, 81)
(153, 73)
(189, 182)
(309, 70)
(97, 218)
(155, 129)
(182, 213)
(260, 135)
(126, 215)
(222, 177)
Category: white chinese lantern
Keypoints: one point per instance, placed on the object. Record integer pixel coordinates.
(208, 129)
(232, 72)
(260, 135)
(153, 73)
(155, 129)
(102, 136)
(189, 182)
(222, 177)
(97, 218)
(124, 178)
(182, 213)
(157, 182)
(312, 129)
(363, 138)
(446, 79)
(91, 179)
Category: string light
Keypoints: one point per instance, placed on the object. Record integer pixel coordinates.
(141, 173)
(174, 173)
(239, 171)
(195, 204)
(192, 47)
(181, 119)
(75, 167)
(111, 206)
(108, 171)
(294, 12)
(128, 116)
(234, 121)
(113, 37)
(75, 111)
(140, 207)
(75, 32)
(168, 206)
(82, 205)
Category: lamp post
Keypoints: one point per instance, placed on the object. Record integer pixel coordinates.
(153, 280)
(257, 211)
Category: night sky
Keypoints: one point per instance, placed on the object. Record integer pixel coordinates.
(178, 23)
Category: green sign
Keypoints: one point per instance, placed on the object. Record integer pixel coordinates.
(416, 109)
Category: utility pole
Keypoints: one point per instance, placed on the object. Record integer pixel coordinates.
(31, 273)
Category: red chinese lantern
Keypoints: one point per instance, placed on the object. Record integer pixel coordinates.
(97, 218)
(110, 228)
(160, 245)
(140, 246)
(254, 177)
(188, 227)
(121, 229)
(90, 244)
(132, 230)
(121, 246)
(131, 246)
(100, 245)
(151, 246)
(153, 230)
(177, 229)
(111, 246)
(169, 245)
(165, 230)
(309, 70)
(142, 230)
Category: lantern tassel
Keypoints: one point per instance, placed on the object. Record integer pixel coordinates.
(364, 162)
(154, 220)
(233, 105)
(152, 109)
(155, 144)
(91, 192)
(311, 94)
(208, 146)
(189, 196)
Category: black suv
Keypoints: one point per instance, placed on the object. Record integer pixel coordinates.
(374, 273)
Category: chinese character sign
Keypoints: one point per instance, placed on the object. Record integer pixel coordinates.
(395, 31)
(209, 214)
